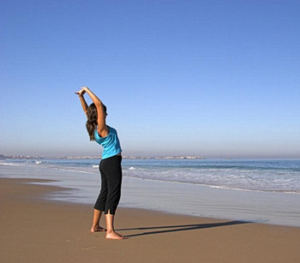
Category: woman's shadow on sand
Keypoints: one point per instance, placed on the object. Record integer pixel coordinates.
(179, 228)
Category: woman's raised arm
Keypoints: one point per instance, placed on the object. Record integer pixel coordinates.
(102, 128)
(82, 100)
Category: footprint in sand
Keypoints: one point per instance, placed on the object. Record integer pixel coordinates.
(88, 248)
(76, 239)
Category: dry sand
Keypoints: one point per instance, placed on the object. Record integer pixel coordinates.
(37, 230)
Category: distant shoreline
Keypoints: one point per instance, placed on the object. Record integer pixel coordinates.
(131, 157)
(142, 157)
(20, 157)
(190, 157)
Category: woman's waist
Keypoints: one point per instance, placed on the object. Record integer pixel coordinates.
(110, 153)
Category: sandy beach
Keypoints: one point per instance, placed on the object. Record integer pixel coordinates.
(34, 229)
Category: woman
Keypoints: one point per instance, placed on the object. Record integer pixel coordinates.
(110, 165)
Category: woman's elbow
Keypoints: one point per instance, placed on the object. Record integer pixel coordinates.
(98, 104)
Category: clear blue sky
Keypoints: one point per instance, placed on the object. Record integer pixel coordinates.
(208, 78)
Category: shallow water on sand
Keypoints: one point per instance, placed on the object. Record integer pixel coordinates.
(173, 197)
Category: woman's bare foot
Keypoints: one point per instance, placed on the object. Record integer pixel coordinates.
(97, 229)
(114, 235)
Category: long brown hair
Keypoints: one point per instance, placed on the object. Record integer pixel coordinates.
(91, 123)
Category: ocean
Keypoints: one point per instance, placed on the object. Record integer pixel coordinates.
(266, 191)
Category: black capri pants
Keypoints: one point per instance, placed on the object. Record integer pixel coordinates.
(111, 181)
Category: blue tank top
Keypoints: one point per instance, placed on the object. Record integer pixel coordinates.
(111, 144)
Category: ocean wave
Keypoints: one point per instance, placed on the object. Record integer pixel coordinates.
(224, 187)
(236, 176)
(9, 164)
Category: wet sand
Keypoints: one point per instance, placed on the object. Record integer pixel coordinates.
(34, 229)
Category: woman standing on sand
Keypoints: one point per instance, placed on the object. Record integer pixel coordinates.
(110, 165)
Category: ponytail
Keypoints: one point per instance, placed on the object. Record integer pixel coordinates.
(91, 123)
